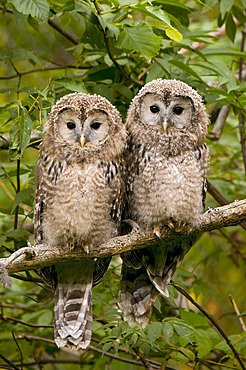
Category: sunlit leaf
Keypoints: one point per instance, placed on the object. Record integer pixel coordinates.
(71, 84)
(174, 34)
(36, 8)
(141, 39)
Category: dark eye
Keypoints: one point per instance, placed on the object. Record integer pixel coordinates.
(154, 109)
(178, 110)
(71, 125)
(95, 125)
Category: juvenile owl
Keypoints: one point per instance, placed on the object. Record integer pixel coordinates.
(167, 161)
(79, 195)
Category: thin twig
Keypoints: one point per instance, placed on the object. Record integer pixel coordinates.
(47, 69)
(148, 364)
(7, 318)
(106, 42)
(213, 322)
(17, 191)
(241, 116)
(9, 362)
(91, 348)
(240, 319)
(63, 32)
(19, 349)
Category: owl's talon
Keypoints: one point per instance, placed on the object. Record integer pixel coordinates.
(178, 228)
(133, 224)
(170, 224)
(86, 248)
(157, 231)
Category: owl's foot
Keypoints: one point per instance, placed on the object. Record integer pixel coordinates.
(86, 248)
(157, 230)
(134, 225)
(169, 223)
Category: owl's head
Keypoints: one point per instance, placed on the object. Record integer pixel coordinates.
(87, 122)
(168, 108)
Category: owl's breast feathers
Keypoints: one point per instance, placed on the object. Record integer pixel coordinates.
(167, 186)
(73, 211)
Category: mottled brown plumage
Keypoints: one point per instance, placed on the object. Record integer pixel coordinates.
(79, 196)
(167, 161)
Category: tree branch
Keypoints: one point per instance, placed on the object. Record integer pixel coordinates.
(29, 258)
(215, 324)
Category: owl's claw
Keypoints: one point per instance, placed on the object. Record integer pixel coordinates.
(133, 224)
(157, 231)
(86, 248)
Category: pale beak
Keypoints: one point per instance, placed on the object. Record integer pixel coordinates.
(82, 140)
(165, 124)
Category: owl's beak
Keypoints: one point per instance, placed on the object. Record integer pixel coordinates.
(82, 140)
(165, 124)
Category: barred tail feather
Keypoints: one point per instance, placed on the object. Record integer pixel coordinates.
(73, 315)
(137, 296)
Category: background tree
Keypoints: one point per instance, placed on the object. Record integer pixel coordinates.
(112, 48)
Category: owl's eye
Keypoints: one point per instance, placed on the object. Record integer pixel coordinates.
(178, 110)
(95, 125)
(154, 109)
(71, 125)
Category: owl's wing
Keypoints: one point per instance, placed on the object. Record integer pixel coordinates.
(39, 207)
(202, 156)
(113, 173)
(48, 172)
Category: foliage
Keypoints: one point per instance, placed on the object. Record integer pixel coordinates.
(50, 48)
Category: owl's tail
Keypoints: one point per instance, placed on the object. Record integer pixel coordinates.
(137, 296)
(73, 315)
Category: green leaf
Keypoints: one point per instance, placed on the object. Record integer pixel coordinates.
(225, 6)
(231, 28)
(2, 239)
(18, 235)
(154, 331)
(167, 331)
(23, 196)
(106, 347)
(180, 356)
(36, 8)
(204, 342)
(25, 129)
(189, 354)
(20, 133)
(71, 84)
(45, 317)
(194, 319)
(174, 34)
(184, 67)
(141, 39)
(160, 14)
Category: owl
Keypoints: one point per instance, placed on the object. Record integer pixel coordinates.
(167, 160)
(78, 203)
